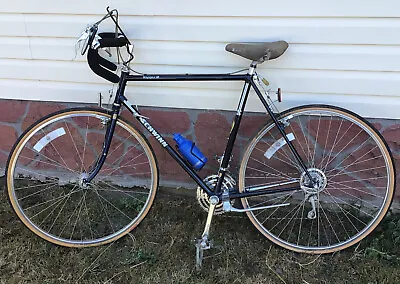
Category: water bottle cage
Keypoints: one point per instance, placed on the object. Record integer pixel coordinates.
(192, 152)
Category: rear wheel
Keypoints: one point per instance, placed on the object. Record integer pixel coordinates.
(351, 167)
(49, 162)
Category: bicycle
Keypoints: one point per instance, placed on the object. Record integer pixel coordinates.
(314, 179)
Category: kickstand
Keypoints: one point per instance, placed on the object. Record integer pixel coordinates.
(204, 243)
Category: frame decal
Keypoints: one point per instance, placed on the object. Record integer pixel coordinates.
(153, 131)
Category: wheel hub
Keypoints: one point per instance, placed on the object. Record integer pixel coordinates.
(318, 183)
(82, 180)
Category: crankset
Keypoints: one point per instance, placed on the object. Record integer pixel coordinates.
(211, 182)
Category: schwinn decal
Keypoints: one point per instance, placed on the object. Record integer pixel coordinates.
(153, 131)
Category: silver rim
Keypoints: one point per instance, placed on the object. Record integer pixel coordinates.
(347, 160)
(46, 187)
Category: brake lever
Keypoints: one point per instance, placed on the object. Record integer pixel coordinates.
(84, 35)
(95, 42)
(82, 38)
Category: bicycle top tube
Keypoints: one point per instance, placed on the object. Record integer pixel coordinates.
(189, 77)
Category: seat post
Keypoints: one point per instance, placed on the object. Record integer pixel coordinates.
(252, 68)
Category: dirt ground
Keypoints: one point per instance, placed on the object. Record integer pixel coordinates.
(161, 250)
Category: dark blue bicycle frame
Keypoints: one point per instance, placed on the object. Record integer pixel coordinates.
(249, 82)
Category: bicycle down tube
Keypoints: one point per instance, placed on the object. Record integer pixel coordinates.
(248, 83)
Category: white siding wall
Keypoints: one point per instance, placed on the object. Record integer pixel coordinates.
(341, 52)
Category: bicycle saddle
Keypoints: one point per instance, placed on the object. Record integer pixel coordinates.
(259, 52)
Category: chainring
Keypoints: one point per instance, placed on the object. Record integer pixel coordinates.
(211, 182)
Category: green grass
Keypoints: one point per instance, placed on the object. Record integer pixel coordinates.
(161, 250)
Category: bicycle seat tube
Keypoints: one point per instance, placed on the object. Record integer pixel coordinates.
(234, 129)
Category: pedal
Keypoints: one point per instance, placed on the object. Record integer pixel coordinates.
(202, 244)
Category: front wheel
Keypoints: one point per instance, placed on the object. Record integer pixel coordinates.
(352, 171)
(49, 163)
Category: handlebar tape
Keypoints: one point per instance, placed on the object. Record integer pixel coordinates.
(98, 65)
(112, 40)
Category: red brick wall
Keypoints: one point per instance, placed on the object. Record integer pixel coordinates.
(208, 129)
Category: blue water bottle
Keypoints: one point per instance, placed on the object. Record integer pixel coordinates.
(192, 154)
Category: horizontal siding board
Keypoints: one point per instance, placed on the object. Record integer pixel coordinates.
(306, 8)
(385, 107)
(295, 30)
(12, 25)
(15, 47)
(298, 56)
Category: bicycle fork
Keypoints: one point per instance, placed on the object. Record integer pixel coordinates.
(110, 131)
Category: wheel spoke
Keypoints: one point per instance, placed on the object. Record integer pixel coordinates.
(104, 210)
(45, 202)
(62, 208)
(316, 142)
(275, 170)
(115, 207)
(58, 153)
(84, 146)
(35, 185)
(338, 153)
(124, 192)
(75, 147)
(40, 191)
(287, 162)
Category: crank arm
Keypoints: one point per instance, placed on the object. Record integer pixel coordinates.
(227, 206)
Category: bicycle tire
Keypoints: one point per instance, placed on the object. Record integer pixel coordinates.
(347, 158)
(46, 167)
